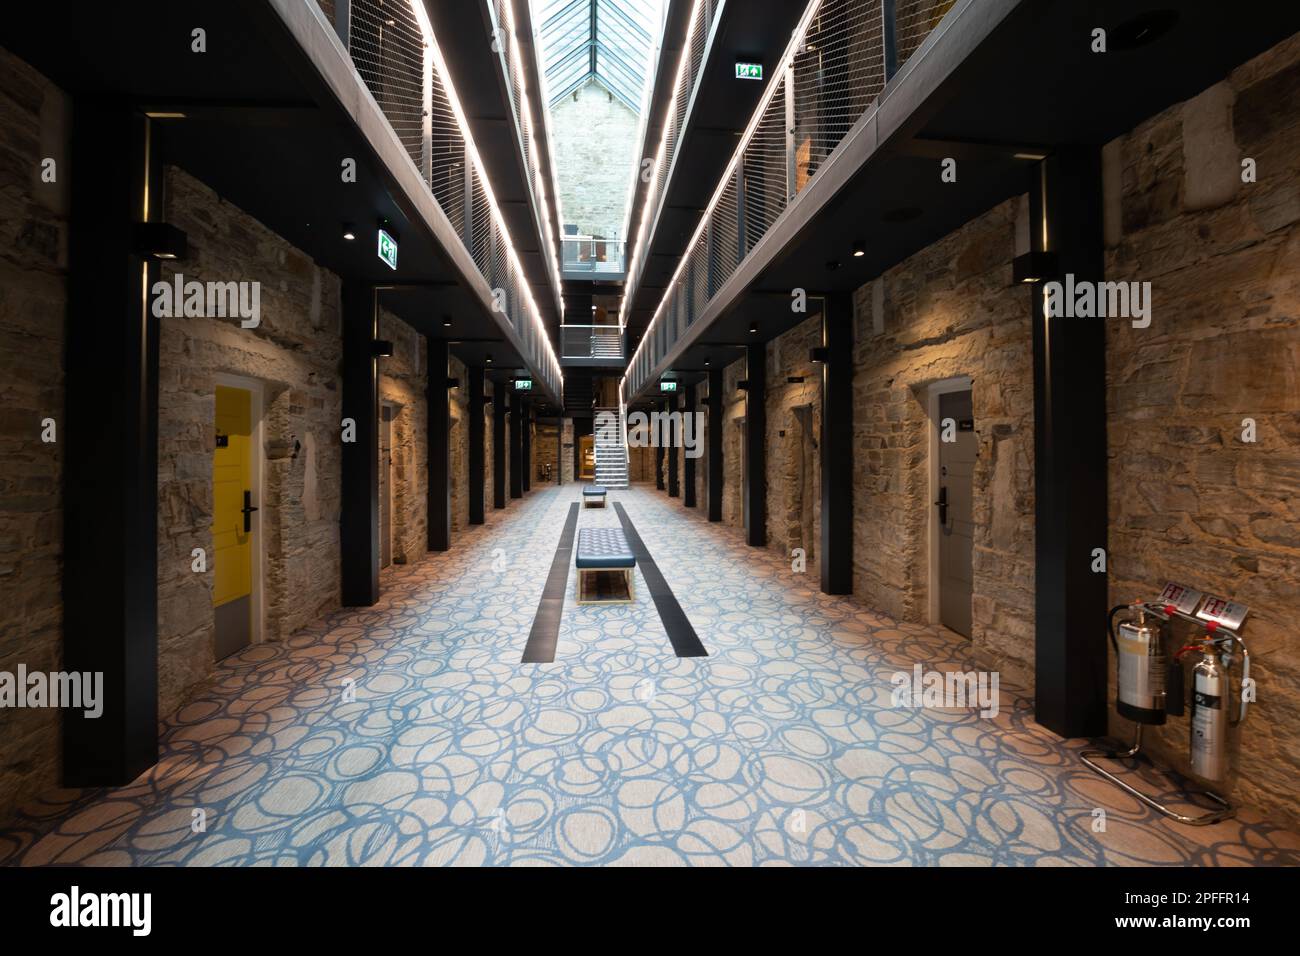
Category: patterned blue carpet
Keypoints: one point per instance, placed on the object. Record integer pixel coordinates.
(781, 747)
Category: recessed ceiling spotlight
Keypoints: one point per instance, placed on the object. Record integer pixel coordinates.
(1143, 29)
(488, 358)
(832, 265)
(753, 328)
(446, 321)
(859, 249)
(349, 231)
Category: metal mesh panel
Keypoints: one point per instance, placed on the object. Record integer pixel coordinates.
(483, 229)
(698, 270)
(915, 20)
(837, 75)
(448, 157)
(388, 50)
(765, 171)
(725, 254)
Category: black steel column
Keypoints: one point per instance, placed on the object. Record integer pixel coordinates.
(1069, 456)
(559, 448)
(526, 471)
(674, 441)
(755, 491)
(474, 381)
(715, 444)
(110, 441)
(438, 407)
(516, 446)
(688, 463)
(656, 435)
(359, 512)
(836, 560)
(498, 445)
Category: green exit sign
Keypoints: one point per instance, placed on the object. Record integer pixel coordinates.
(523, 384)
(667, 386)
(388, 249)
(749, 71)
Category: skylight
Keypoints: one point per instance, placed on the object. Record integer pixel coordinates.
(607, 40)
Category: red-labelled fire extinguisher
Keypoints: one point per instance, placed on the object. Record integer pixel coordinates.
(1139, 644)
(1209, 725)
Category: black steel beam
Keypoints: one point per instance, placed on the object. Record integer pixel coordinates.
(755, 484)
(1070, 511)
(438, 409)
(688, 464)
(477, 430)
(499, 445)
(110, 439)
(674, 441)
(359, 510)
(516, 446)
(836, 447)
(526, 467)
(715, 444)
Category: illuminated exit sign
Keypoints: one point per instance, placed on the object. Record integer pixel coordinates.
(388, 249)
(749, 71)
(523, 384)
(667, 386)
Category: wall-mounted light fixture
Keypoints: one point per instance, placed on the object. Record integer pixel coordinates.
(381, 348)
(453, 383)
(743, 385)
(794, 379)
(1034, 267)
(819, 354)
(160, 240)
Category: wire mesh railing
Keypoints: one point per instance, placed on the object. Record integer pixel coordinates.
(393, 49)
(838, 63)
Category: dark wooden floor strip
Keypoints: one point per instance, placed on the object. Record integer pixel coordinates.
(542, 639)
(680, 632)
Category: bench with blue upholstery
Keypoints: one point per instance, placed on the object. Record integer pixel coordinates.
(593, 496)
(605, 564)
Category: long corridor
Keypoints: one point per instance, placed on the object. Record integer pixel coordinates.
(410, 734)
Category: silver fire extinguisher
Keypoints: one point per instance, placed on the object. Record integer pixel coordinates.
(1209, 716)
(1139, 644)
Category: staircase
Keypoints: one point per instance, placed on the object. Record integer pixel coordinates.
(607, 345)
(611, 450)
(579, 394)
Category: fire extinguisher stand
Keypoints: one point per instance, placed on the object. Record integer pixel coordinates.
(1222, 643)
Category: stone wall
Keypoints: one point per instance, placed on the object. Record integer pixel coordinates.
(459, 439)
(33, 303)
(594, 142)
(545, 453)
(733, 418)
(1191, 499)
(947, 311)
(403, 378)
(295, 355)
(566, 452)
(794, 414)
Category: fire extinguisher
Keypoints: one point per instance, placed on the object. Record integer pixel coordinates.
(1139, 644)
(1209, 714)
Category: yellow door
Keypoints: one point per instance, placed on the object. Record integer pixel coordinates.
(232, 546)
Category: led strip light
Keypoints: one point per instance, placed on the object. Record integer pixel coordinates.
(787, 59)
(426, 28)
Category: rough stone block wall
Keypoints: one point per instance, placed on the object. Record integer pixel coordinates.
(949, 310)
(566, 453)
(295, 354)
(1191, 499)
(545, 453)
(733, 470)
(459, 438)
(794, 414)
(33, 303)
(402, 382)
(594, 145)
